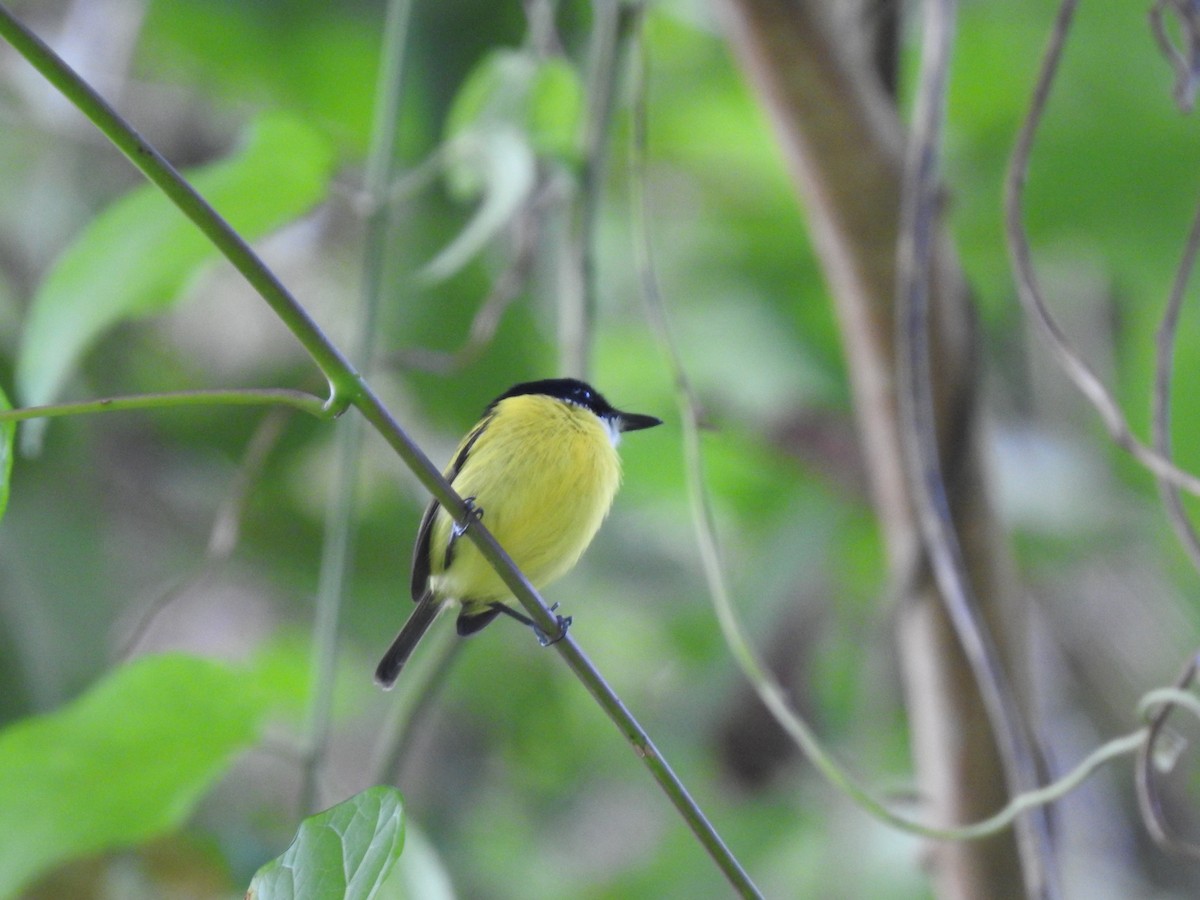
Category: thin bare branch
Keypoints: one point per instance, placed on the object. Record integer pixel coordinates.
(613, 23)
(1149, 801)
(1029, 289)
(222, 536)
(919, 221)
(505, 289)
(1165, 340)
(1186, 62)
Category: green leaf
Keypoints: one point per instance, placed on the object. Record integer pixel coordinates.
(139, 253)
(541, 98)
(496, 90)
(124, 762)
(502, 161)
(345, 852)
(7, 430)
(556, 110)
(511, 109)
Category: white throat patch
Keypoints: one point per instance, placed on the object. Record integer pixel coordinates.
(614, 431)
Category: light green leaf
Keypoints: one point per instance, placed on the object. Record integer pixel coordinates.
(137, 255)
(124, 762)
(496, 90)
(345, 852)
(540, 98)
(511, 108)
(504, 162)
(556, 110)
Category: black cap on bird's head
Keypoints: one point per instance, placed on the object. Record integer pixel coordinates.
(580, 393)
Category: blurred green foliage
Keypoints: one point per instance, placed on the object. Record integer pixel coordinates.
(135, 257)
(124, 762)
(519, 785)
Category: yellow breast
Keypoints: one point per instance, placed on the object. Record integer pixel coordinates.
(544, 472)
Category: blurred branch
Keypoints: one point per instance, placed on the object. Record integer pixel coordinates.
(1149, 801)
(919, 221)
(1086, 381)
(422, 684)
(342, 377)
(337, 546)
(349, 388)
(1186, 63)
(505, 289)
(613, 22)
(1165, 341)
(839, 132)
(769, 691)
(223, 536)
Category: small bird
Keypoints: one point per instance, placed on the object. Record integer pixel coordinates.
(540, 468)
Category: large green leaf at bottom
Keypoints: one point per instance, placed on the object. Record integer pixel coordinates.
(124, 762)
(345, 852)
(137, 255)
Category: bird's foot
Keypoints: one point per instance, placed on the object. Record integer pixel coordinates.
(474, 514)
(564, 622)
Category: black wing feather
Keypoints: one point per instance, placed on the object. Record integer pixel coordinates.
(421, 563)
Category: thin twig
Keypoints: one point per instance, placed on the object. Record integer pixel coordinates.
(1149, 802)
(222, 536)
(299, 400)
(1029, 289)
(505, 289)
(342, 376)
(1165, 340)
(918, 232)
(612, 24)
(1186, 65)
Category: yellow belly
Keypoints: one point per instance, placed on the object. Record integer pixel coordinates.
(544, 474)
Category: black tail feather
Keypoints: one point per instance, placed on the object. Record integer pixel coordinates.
(406, 641)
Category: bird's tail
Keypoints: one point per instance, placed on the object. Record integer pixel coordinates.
(406, 641)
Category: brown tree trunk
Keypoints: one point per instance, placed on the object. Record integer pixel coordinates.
(843, 141)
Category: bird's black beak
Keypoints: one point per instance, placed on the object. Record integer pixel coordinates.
(635, 421)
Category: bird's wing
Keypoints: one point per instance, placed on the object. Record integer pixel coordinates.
(421, 561)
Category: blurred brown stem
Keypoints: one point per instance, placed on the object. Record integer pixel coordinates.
(842, 139)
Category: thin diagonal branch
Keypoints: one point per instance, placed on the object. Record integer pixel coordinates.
(298, 400)
(336, 368)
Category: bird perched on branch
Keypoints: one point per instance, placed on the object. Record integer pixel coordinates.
(540, 468)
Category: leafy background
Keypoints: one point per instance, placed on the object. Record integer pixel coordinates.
(514, 783)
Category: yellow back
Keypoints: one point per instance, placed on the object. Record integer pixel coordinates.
(544, 472)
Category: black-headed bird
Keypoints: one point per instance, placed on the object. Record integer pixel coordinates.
(540, 468)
